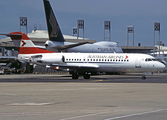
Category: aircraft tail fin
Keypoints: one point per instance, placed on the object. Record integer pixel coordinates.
(23, 44)
(54, 31)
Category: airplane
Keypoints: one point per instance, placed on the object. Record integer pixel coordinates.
(84, 63)
(57, 42)
(162, 56)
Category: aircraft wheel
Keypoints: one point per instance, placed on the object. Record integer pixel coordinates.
(86, 76)
(143, 77)
(75, 76)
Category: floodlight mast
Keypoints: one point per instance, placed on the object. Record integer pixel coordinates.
(107, 26)
(156, 28)
(80, 25)
(23, 22)
(75, 31)
(130, 29)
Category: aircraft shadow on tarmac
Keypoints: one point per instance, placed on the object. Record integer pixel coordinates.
(93, 79)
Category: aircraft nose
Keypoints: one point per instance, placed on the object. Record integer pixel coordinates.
(161, 66)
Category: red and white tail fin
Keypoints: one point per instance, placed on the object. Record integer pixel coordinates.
(24, 45)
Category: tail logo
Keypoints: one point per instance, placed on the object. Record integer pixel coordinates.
(54, 24)
(23, 43)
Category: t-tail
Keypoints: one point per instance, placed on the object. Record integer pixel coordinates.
(24, 45)
(54, 31)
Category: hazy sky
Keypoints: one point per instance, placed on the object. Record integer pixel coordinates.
(122, 13)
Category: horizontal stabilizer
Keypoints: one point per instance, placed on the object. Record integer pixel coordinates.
(12, 35)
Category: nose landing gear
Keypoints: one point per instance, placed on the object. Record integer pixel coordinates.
(143, 77)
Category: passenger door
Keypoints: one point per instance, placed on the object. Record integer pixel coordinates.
(138, 63)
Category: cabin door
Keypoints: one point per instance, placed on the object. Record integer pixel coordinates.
(138, 63)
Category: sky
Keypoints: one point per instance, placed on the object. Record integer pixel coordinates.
(142, 14)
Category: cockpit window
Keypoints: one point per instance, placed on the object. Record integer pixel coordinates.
(150, 59)
(111, 45)
(117, 45)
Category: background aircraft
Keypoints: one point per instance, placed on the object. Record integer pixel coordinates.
(84, 63)
(58, 43)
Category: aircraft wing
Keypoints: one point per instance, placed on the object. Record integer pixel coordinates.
(59, 48)
(64, 47)
(72, 66)
(77, 65)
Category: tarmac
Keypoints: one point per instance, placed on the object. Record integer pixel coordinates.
(103, 97)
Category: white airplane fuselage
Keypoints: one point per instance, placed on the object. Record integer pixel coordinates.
(98, 47)
(97, 62)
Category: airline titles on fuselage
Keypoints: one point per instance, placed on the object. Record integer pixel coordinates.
(107, 57)
(106, 49)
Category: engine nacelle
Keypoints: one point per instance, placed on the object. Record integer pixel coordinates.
(49, 43)
(57, 59)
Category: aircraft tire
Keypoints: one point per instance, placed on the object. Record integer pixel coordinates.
(86, 76)
(143, 77)
(75, 76)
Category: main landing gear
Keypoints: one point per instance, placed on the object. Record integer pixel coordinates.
(76, 76)
(86, 76)
(143, 77)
